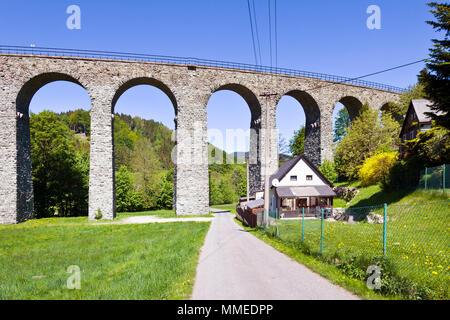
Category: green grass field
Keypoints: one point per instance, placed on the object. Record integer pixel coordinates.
(417, 242)
(374, 195)
(148, 261)
(157, 213)
(228, 207)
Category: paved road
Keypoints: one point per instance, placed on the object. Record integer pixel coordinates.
(235, 265)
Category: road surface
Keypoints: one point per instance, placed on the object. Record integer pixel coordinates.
(235, 265)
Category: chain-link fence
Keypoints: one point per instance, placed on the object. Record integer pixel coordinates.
(415, 239)
(436, 178)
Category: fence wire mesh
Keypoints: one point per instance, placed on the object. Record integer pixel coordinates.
(416, 241)
(435, 178)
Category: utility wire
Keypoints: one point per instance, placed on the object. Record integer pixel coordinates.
(276, 36)
(270, 32)
(253, 35)
(257, 32)
(368, 75)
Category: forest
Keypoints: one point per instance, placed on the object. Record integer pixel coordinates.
(60, 145)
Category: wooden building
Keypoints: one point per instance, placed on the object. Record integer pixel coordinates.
(415, 121)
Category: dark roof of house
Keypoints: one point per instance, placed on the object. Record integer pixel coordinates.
(287, 166)
(255, 204)
(305, 191)
(420, 108)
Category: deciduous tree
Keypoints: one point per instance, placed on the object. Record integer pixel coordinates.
(297, 143)
(366, 136)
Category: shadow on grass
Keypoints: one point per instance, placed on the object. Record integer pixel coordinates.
(382, 197)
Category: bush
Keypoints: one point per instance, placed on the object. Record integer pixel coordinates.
(403, 174)
(377, 168)
(165, 197)
(431, 146)
(366, 136)
(127, 199)
(99, 215)
(328, 169)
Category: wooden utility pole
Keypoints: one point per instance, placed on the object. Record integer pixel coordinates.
(268, 97)
(248, 178)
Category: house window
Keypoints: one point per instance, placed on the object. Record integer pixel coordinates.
(309, 178)
(293, 178)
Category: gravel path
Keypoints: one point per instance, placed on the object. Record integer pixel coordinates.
(235, 265)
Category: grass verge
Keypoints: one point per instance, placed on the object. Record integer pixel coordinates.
(328, 271)
(229, 207)
(374, 195)
(118, 262)
(159, 214)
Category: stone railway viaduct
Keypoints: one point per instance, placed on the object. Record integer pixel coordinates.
(189, 88)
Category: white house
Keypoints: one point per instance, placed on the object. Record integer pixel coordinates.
(299, 184)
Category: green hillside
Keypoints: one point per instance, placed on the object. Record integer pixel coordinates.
(142, 160)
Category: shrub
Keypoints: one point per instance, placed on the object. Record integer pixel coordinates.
(377, 168)
(328, 169)
(165, 198)
(99, 215)
(366, 136)
(403, 174)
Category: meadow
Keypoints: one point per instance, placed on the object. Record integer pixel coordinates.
(417, 242)
(147, 261)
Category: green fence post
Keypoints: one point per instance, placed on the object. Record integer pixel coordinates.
(384, 229)
(321, 235)
(276, 219)
(303, 224)
(265, 219)
(426, 178)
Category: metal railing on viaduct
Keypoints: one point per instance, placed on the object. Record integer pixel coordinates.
(55, 52)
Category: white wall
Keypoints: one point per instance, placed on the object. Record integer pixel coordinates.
(301, 170)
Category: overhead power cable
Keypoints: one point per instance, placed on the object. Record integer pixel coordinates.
(251, 28)
(257, 32)
(276, 36)
(270, 33)
(368, 75)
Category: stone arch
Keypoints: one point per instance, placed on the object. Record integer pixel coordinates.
(353, 106)
(33, 85)
(386, 106)
(255, 167)
(312, 125)
(25, 195)
(130, 83)
(250, 98)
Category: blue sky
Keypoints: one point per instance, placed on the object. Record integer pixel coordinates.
(325, 36)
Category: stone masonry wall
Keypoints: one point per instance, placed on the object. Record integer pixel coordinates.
(189, 90)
